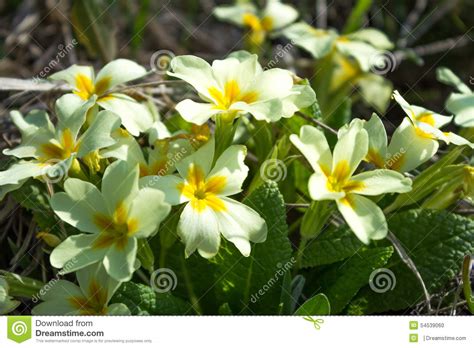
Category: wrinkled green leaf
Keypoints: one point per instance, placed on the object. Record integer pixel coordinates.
(437, 242)
(256, 281)
(143, 300)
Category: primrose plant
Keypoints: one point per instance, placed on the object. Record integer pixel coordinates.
(141, 193)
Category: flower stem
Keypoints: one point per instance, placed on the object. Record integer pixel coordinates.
(224, 133)
(189, 286)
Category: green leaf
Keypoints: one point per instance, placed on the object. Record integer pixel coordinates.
(342, 281)
(94, 28)
(145, 255)
(256, 281)
(286, 298)
(143, 300)
(437, 242)
(316, 305)
(424, 184)
(331, 246)
(196, 278)
(315, 218)
(32, 196)
(357, 16)
(224, 309)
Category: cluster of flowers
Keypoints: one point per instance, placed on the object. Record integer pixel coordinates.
(117, 191)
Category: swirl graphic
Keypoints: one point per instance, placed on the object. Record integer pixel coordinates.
(163, 280)
(382, 280)
(160, 61)
(19, 328)
(54, 171)
(273, 170)
(382, 62)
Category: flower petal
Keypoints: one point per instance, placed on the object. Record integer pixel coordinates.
(279, 14)
(119, 185)
(272, 83)
(135, 117)
(316, 41)
(231, 168)
(240, 224)
(268, 110)
(315, 148)
(462, 105)
(302, 96)
(148, 209)
(380, 181)
(195, 71)
(202, 158)
(36, 129)
(20, 171)
(242, 71)
(377, 141)
(99, 133)
(234, 14)
(168, 185)
(71, 111)
(199, 230)
(119, 262)
(364, 217)
(452, 138)
(197, 113)
(352, 146)
(407, 150)
(79, 204)
(118, 71)
(318, 188)
(71, 74)
(126, 148)
(76, 252)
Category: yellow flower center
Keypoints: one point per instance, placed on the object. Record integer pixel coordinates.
(115, 229)
(59, 150)
(231, 94)
(201, 192)
(94, 303)
(427, 118)
(85, 88)
(339, 180)
(374, 157)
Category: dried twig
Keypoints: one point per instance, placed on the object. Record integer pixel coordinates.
(409, 262)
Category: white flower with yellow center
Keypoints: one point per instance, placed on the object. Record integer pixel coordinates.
(238, 85)
(334, 178)
(91, 297)
(209, 212)
(428, 123)
(135, 117)
(274, 16)
(48, 149)
(365, 46)
(461, 104)
(113, 220)
(406, 149)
